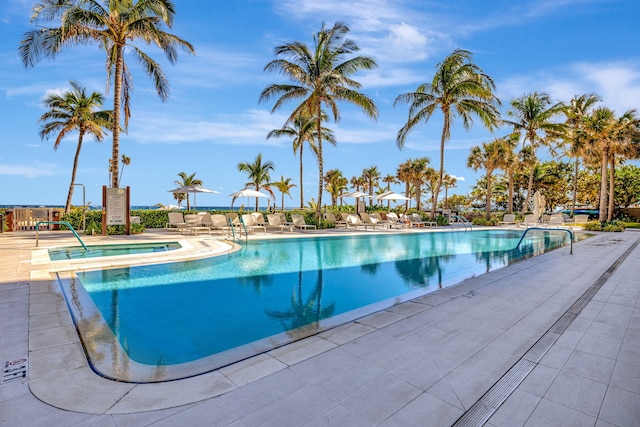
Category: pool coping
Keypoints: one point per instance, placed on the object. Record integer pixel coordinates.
(60, 375)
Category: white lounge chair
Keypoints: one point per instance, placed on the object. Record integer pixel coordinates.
(329, 216)
(530, 221)
(176, 220)
(275, 221)
(371, 222)
(508, 219)
(194, 224)
(299, 222)
(251, 225)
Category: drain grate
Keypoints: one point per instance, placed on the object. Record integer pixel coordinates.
(480, 412)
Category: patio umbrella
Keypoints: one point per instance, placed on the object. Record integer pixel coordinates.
(357, 195)
(193, 189)
(390, 195)
(247, 192)
(538, 205)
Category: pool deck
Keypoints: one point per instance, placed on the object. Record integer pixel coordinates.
(551, 340)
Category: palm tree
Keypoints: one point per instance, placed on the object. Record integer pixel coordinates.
(449, 182)
(389, 179)
(487, 156)
(533, 114)
(186, 181)
(321, 76)
(113, 25)
(126, 161)
(459, 88)
(371, 176)
(302, 130)
(335, 184)
(624, 145)
(258, 174)
(284, 186)
(74, 110)
(510, 164)
(578, 109)
(405, 175)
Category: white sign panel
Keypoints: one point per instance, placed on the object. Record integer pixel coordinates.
(116, 206)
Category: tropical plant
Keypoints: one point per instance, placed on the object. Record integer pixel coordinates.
(459, 88)
(321, 76)
(371, 176)
(389, 179)
(303, 129)
(259, 175)
(626, 143)
(126, 161)
(113, 25)
(448, 182)
(284, 186)
(335, 184)
(489, 157)
(576, 112)
(185, 181)
(533, 117)
(74, 110)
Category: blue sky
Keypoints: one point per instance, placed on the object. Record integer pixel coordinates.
(213, 120)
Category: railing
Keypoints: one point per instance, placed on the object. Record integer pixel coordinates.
(232, 228)
(546, 229)
(463, 221)
(63, 223)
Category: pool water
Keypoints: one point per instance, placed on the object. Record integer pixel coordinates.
(78, 252)
(186, 318)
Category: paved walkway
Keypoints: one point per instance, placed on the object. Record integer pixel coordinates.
(424, 362)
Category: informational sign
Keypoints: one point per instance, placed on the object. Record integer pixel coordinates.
(116, 206)
(14, 370)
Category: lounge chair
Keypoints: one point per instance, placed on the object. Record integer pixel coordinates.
(354, 221)
(283, 219)
(529, 221)
(508, 219)
(415, 220)
(371, 222)
(298, 222)
(378, 219)
(556, 220)
(394, 221)
(194, 224)
(176, 220)
(217, 222)
(329, 216)
(259, 219)
(275, 221)
(250, 223)
(579, 220)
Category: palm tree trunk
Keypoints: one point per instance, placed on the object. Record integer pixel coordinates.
(602, 206)
(407, 194)
(301, 189)
(117, 102)
(525, 206)
(510, 208)
(575, 186)
(488, 197)
(418, 195)
(436, 190)
(320, 162)
(612, 187)
(67, 206)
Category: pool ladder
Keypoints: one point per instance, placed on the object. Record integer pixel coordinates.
(462, 222)
(63, 223)
(547, 229)
(232, 228)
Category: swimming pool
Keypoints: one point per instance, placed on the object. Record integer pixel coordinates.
(94, 251)
(168, 321)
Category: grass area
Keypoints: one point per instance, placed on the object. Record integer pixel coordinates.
(631, 224)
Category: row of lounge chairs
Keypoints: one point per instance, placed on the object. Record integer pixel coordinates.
(232, 223)
(375, 220)
(555, 220)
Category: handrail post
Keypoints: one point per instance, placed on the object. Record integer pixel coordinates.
(63, 223)
(546, 229)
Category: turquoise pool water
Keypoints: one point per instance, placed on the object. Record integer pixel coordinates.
(78, 252)
(174, 320)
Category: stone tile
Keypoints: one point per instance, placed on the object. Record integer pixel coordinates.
(403, 352)
(422, 373)
(298, 351)
(550, 414)
(346, 382)
(345, 333)
(621, 407)
(467, 386)
(539, 380)
(626, 376)
(212, 412)
(252, 369)
(317, 367)
(381, 319)
(515, 410)
(590, 366)
(576, 392)
(424, 410)
(407, 308)
(455, 350)
(52, 337)
(380, 401)
(338, 416)
(56, 360)
(491, 362)
(557, 356)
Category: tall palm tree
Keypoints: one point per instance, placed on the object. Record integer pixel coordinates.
(186, 181)
(578, 109)
(371, 175)
(335, 184)
(126, 161)
(302, 129)
(259, 175)
(533, 116)
(459, 88)
(624, 145)
(284, 186)
(510, 164)
(405, 175)
(74, 110)
(487, 156)
(113, 25)
(448, 182)
(419, 172)
(389, 179)
(321, 76)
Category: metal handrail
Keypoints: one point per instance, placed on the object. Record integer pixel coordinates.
(63, 223)
(464, 221)
(546, 229)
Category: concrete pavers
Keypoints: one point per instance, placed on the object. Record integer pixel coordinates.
(420, 363)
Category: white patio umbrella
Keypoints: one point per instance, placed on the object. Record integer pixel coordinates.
(390, 195)
(538, 205)
(247, 192)
(193, 189)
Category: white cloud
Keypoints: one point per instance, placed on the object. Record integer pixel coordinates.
(27, 171)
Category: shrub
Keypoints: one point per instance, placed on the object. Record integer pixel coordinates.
(613, 226)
